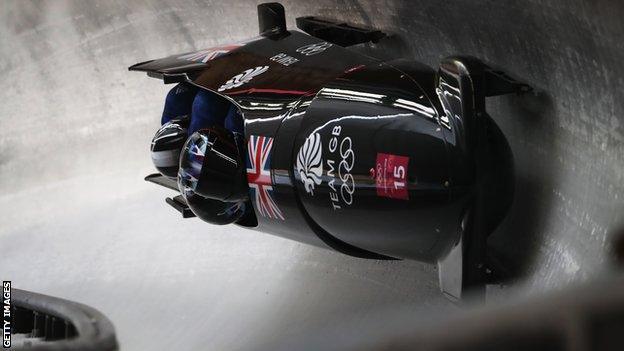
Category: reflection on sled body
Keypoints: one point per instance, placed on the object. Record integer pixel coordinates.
(373, 159)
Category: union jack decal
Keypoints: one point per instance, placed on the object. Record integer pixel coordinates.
(259, 176)
(209, 54)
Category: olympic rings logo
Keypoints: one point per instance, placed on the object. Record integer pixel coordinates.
(347, 188)
(314, 49)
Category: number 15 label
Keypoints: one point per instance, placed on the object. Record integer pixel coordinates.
(391, 176)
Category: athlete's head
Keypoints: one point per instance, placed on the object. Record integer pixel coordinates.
(211, 169)
(167, 145)
(211, 165)
(214, 211)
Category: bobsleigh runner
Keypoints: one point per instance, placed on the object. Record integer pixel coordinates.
(381, 160)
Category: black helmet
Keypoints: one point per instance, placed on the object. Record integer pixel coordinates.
(167, 145)
(211, 176)
(211, 166)
(214, 211)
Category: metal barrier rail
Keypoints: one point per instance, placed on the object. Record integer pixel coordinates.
(46, 323)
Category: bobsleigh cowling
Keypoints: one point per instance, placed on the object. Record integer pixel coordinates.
(385, 160)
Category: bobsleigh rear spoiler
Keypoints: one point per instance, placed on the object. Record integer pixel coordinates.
(244, 55)
(187, 66)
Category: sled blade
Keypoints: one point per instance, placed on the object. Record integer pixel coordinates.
(161, 180)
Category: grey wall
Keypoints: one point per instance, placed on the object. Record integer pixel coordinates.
(76, 220)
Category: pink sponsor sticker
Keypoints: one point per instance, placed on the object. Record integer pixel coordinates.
(391, 176)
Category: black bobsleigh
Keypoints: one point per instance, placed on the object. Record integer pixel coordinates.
(383, 160)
